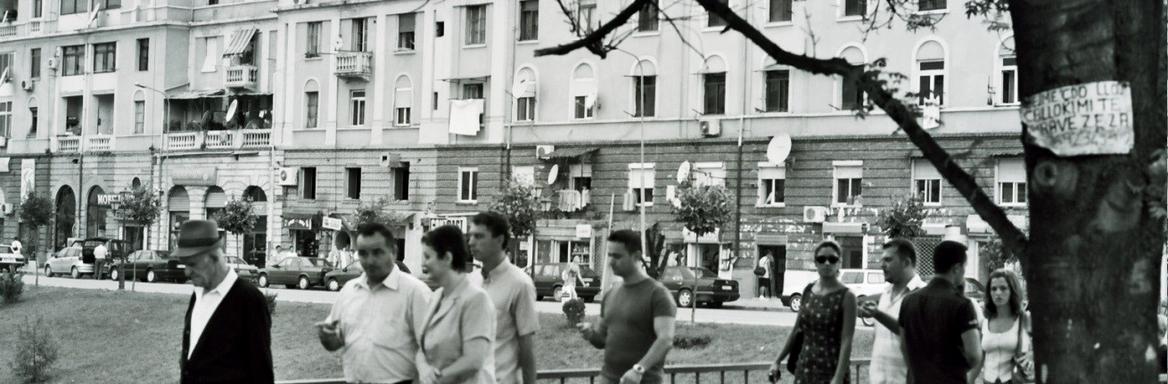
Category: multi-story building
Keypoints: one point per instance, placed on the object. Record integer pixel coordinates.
(433, 105)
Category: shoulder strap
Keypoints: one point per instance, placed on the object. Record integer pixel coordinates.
(1018, 345)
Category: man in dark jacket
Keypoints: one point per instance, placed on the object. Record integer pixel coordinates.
(227, 332)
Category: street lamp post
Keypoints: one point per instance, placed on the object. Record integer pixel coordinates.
(162, 147)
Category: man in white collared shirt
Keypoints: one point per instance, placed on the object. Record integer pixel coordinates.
(899, 264)
(379, 316)
(513, 294)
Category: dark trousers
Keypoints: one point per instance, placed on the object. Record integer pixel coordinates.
(765, 283)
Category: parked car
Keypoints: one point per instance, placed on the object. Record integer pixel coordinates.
(242, 268)
(116, 250)
(11, 261)
(711, 290)
(68, 261)
(549, 282)
(337, 278)
(299, 272)
(149, 266)
(793, 283)
(863, 282)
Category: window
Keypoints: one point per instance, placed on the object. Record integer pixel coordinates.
(849, 177)
(926, 182)
(853, 253)
(647, 18)
(931, 5)
(360, 35)
(851, 97)
(105, 57)
(402, 116)
(353, 183)
(583, 90)
(6, 119)
(582, 111)
(778, 90)
(434, 98)
(35, 116)
(109, 4)
(714, 20)
(771, 185)
(932, 82)
(69, 7)
(472, 91)
(143, 54)
(139, 117)
(525, 109)
(714, 93)
(211, 56)
(405, 31)
(401, 182)
(780, 11)
(580, 177)
(585, 10)
(855, 7)
(34, 63)
(468, 185)
(1011, 175)
(311, 106)
(1009, 80)
(312, 46)
(476, 24)
(358, 107)
(528, 20)
(308, 183)
(645, 92)
(709, 174)
(642, 180)
(403, 101)
(439, 28)
(38, 8)
(72, 60)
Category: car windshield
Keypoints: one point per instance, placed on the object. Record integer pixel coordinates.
(317, 262)
(852, 278)
(704, 273)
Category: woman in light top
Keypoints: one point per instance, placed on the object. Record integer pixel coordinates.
(1005, 336)
(457, 341)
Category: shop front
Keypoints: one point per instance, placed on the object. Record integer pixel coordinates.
(305, 230)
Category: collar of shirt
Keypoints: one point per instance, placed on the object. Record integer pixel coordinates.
(499, 270)
(942, 284)
(222, 288)
(391, 281)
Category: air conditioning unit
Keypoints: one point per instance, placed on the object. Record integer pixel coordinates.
(814, 214)
(27, 85)
(6, 209)
(287, 176)
(390, 160)
(710, 127)
(52, 63)
(543, 152)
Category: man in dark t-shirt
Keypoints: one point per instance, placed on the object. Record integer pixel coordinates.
(636, 319)
(939, 329)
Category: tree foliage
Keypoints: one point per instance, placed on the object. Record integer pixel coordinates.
(373, 212)
(141, 207)
(237, 217)
(703, 209)
(518, 203)
(36, 210)
(905, 218)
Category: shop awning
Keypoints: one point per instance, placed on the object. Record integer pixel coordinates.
(239, 42)
(571, 153)
(196, 94)
(298, 222)
(400, 218)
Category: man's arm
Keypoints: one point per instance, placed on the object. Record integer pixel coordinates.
(887, 321)
(527, 358)
(664, 328)
(971, 347)
(526, 321)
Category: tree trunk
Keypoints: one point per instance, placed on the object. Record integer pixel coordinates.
(1092, 262)
(122, 274)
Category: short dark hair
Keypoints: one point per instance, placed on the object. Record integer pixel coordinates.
(947, 255)
(495, 222)
(902, 248)
(371, 229)
(626, 237)
(449, 238)
(828, 244)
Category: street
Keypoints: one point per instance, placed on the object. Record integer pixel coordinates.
(704, 315)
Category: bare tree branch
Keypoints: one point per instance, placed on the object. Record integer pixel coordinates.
(593, 41)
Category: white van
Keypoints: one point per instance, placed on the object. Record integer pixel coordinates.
(793, 283)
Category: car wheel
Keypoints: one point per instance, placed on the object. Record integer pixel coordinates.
(74, 273)
(333, 285)
(48, 271)
(556, 292)
(303, 283)
(796, 302)
(263, 280)
(114, 274)
(684, 298)
(150, 277)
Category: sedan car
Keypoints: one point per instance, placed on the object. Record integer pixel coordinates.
(298, 272)
(684, 281)
(242, 268)
(68, 261)
(337, 278)
(549, 282)
(149, 266)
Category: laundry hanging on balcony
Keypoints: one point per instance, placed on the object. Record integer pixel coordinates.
(465, 116)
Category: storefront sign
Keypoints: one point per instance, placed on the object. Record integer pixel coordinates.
(583, 231)
(299, 224)
(459, 222)
(690, 237)
(1085, 119)
(331, 223)
(194, 176)
(107, 199)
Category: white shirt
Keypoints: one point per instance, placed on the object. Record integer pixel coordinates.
(887, 364)
(381, 325)
(999, 352)
(15, 246)
(205, 306)
(100, 252)
(513, 294)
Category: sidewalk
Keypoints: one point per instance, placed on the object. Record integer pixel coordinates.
(758, 304)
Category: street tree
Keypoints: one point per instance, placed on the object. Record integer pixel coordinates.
(518, 203)
(237, 218)
(905, 218)
(35, 212)
(140, 207)
(372, 212)
(1098, 188)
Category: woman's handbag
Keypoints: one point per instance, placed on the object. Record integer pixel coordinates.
(1020, 373)
(759, 271)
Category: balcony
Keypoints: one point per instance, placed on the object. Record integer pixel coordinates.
(184, 141)
(255, 138)
(354, 64)
(218, 140)
(99, 143)
(67, 144)
(571, 200)
(242, 77)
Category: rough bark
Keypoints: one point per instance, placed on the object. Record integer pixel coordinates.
(1095, 248)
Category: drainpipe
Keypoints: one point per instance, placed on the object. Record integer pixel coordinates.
(741, 130)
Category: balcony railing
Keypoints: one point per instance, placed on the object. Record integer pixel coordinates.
(242, 76)
(219, 140)
(255, 138)
(184, 141)
(68, 144)
(7, 30)
(99, 143)
(354, 64)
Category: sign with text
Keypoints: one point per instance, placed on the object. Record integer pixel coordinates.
(107, 199)
(1084, 119)
(194, 176)
(583, 231)
(330, 223)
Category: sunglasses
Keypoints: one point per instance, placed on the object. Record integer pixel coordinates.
(827, 259)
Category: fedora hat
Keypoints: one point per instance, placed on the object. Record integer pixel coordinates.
(196, 237)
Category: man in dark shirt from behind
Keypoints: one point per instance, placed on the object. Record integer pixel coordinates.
(636, 319)
(939, 329)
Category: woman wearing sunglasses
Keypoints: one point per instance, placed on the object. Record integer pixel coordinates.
(826, 322)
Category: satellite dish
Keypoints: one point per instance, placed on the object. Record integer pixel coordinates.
(553, 173)
(683, 171)
(779, 148)
(231, 110)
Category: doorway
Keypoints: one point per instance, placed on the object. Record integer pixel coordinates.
(778, 267)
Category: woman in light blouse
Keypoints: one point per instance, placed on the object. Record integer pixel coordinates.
(457, 341)
(1005, 336)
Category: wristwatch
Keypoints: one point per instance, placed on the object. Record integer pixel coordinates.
(638, 369)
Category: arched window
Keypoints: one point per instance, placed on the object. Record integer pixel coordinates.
(583, 92)
(524, 90)
(403, 101)
(851, 97)
(1007, 65)
(930, 69)
(644, 85)
(139, 112)
(311, 104)
(714, 86)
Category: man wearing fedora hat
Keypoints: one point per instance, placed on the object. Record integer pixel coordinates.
(227, 332)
